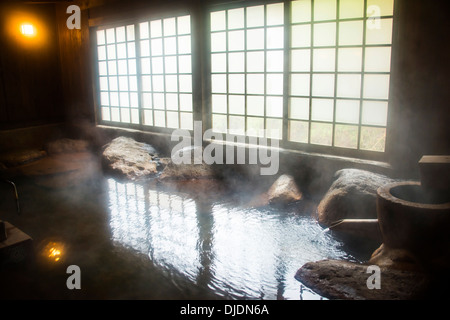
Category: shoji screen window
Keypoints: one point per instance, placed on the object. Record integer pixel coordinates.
(145, 73)
(247, 58)
(166, 72)
(340, 58)
(118, 84)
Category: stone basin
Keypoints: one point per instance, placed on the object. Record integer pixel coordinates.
(411, 218)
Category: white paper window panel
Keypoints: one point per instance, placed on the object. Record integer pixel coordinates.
(274, 128)
(324, 60)
(323, 85)
(172, 101)
(218, 42)
(348, 86)
(300, 84)
(219, 103)
(275, 38)
(301, 11)
(157, 46)
(299, 108)
(219, 83)
(184, 44)
(255, 61)
(274, 107)
(236, 40)
(106, 114)
(236, 62)
(237, 104)
(170, 65)
(301, 60)
(101, 37)
(324, 10)
(159, 118)
(275, 61)
(219, 123)
(236, 125)
(301, 36)
(351, 9)
(381, 7)
(184, 25)
(159, 101)
(347, 111)
(218, 20)
(148, 117)
(255, 39)
(255, 16)
(184, 64)
(255, 105)
(255, 126)
(274, 83)
(374, 113)
(255, 83)
(111, 51)
(110, 35)
(376, 86)
(324, 34)
(379, 31)
(236, 18)
(172, 120)
(350, 59)
(185, 102)
(236, 83)
(275, 14)
(351, 33)
(378, 59)
(322, 109)
(112, 68)
(169, 26)
(186, 120)
(298, 131)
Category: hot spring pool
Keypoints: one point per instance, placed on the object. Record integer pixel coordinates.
(236, 252)
(140, 241)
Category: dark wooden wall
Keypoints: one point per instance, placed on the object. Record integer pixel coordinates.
(30, 79)
(75, 63)
(420, 88)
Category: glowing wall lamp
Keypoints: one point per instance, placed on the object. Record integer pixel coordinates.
(28, 30)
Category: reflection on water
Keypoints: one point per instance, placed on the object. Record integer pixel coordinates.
(235, 252)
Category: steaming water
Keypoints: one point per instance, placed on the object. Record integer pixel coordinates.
(234, 252)
(143, 241)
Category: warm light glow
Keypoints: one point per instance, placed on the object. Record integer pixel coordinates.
(28, 30)
(53, 251)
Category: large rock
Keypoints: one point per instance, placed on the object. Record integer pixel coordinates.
(187, 171)
(351, 196)
(131, 159)
(337, 279)
(284, 191)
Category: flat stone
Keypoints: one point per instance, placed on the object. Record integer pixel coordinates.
(20, 157)
(352, 195)
(130, 159)
(399, 259)
(60, 170)
(67, 146)
(344, 280)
